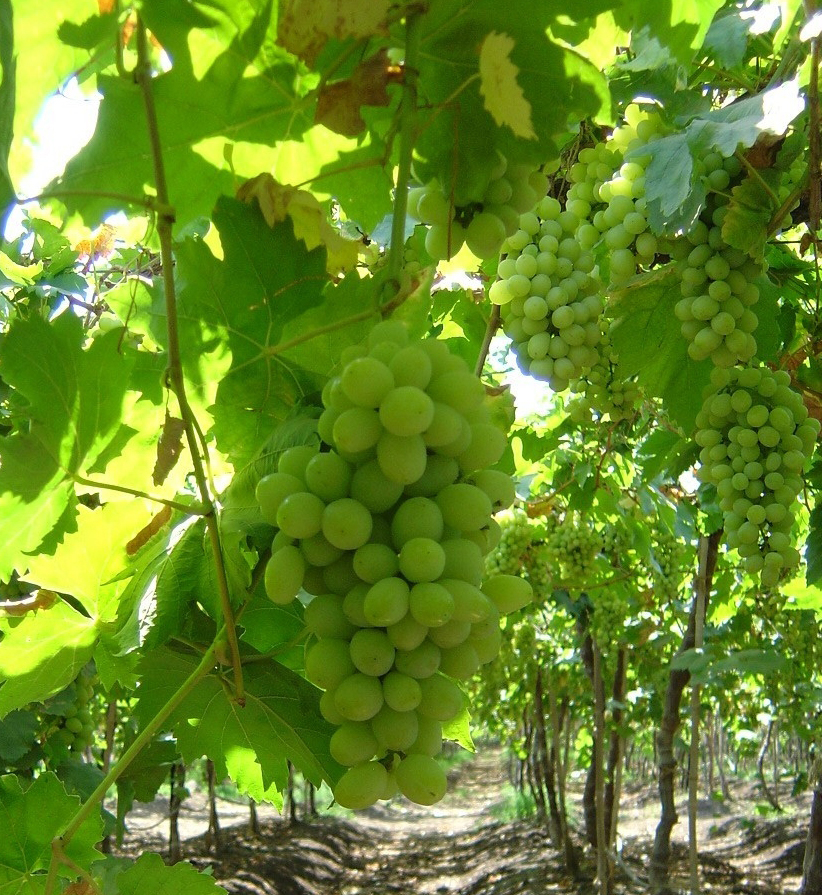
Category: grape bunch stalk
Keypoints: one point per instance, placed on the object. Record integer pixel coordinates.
(383, 528)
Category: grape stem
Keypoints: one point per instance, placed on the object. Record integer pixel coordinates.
(192, 509)
(407, 133)
(490, 330)
(165, 222)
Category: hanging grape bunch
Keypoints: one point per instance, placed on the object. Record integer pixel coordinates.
(549, 300)
(481, 225)
(755, 437)
(386, 528)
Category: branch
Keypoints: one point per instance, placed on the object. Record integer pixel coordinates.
(165, 223)
(490, 331)
(193, 509)
(408, 114)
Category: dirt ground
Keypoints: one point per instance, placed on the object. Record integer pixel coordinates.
(458, 847)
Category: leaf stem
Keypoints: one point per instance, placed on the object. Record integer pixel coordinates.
(490, 330)
(752, 172)
(142, 740)
(193, 509)
(408, 118)
(165, 222)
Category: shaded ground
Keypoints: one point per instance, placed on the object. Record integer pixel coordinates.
(458, 847)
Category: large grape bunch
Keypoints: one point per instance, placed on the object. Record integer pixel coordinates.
(483, 224)
(755, 436)
(385, 527)
(607, 195)
(516, 536)
(573, 546)
(548, 296)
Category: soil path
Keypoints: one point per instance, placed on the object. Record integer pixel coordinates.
(457, 847)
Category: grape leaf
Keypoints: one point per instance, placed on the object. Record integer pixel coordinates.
(305, 26)
(358, 180)
(681, 26)
(745, 226)
(265, 280)
(727, 38)
(149, 875)
(32, 818)
(229, 83)
(813, 547)
(75, 400)
(503, 96)
(88, 560)
(674, 193)
(559, 85)
(152, 606)
(648, 342)
(17, 732)
(280, 721)
(269, 627)
(42, 653)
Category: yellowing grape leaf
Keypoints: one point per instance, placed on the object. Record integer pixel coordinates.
(278, 201)
(304, 26)
(339, 104)
(500, 89)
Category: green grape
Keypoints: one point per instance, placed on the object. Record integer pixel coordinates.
(386, 602)
(366, 381)
(487, 648)
(411, 366)
(339, 577)
(420, 662)
(485, 234)
(406, 410)
(361, 786)
(458, 389)
(508, 592)
(431, 604)
(300, 515)
(353, 743)
(328, 663)
(401, 692)
(464, 507)
(488, 443)
(346, 523)
(407, 634)
(452, 633)
(421, 779)
(284, 574)
(442, 699)
(358, 697)
(373, 489)
(460, 662)
(401, 458)
(421, 559)
(463, 560)
(272, 490)
(470, 603)
(328, 476)
(294, 460)
(372, 652)
(439, 472)
(443, 241)
(429, 737)
(373, 562)
(417, 517)
(434, 208)
(445, 428)
(318, 552)
(356, 430)
(395, 730)
(324, 617)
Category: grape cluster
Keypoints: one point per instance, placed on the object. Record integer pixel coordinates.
(386, 526)
(611, 609)
(602, 391)
(755, 436)
(548, 297)
(717, 283)
(607, 195)
(76, 731)
(574, 546)
(670, 566)
(508, 556)
(481, 225)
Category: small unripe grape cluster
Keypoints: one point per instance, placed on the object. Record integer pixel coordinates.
(77, 728)
(755, 437)
(386, 527)
(515, 539)
(482, 225)
(670, 567)
(548, 297)
(602, 391)
(574, 546)
(607, 621)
